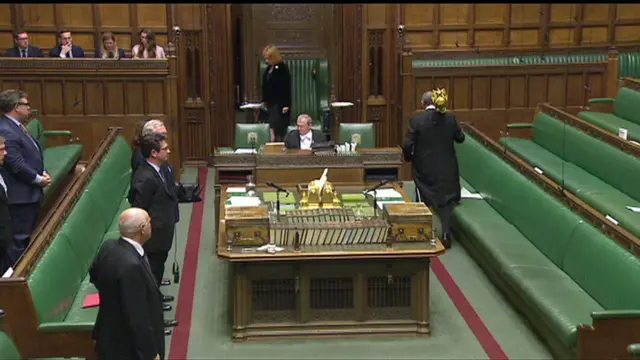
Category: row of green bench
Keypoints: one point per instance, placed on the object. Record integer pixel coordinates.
(622, 112)
(58, 160)
(598, 173)
(557, 269)
(59, 281)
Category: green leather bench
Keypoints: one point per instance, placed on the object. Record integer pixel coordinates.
(60, 281)
(556, 268)
(634, 351)
(513, 60)
(8, 350)
(58, 160)
(601, 175)
(310, 87)
(625, 113)
(246, 132)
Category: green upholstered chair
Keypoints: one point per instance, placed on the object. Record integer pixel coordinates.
(295, 127)
(246, 132)
(364, 134)
(310, 88)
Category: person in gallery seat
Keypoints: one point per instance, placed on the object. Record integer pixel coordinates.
(276, 92)
(147, 48)
(304, 136)
(109, 48)
(429, 145)
(66, 49)
(21, 47)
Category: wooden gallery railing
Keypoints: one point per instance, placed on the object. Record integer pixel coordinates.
(87, 96)
(492, 96)
(21, 319)
(596, 218)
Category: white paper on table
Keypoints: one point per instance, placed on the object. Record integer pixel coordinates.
(251, 106)
(634, 208)
(236, 189)
(246, 151)
(381, 203)
(386, 194)
(244, 201)
(466, 194)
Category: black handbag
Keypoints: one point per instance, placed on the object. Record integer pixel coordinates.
(189, 193)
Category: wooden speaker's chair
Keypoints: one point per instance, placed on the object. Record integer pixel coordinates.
(310, 89)
(362, 134)
(252, 135)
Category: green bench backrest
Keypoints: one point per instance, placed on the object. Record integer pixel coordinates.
(8, 350)
(627, 105)
(36, 130)
(536, 214)
(611, 165)
(309, 93)
(629, 65)
(57, 276)
(602, 268)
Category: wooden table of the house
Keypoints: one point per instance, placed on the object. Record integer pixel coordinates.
(330, 290)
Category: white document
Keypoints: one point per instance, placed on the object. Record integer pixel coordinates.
(381, 203)
(8, 273)
(634, 208)
(251, 106)
(246, 151)
(244, 201)
(236, 190)
(386, 194)
(466, 194)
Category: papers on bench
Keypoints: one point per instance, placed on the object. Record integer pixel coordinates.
(91, 300)
(634, 208)
(246, 151)
(252, 106)
(381, 203)
(386, 194)
(466, 194)
(243, 201)
(8, 273)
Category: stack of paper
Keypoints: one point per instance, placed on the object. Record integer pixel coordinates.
(246, 151)
(243, 201)
(237, 191)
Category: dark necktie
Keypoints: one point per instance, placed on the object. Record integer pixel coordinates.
(24, 53)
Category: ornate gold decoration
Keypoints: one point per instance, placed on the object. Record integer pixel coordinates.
(356, 138)
(440, 100)
(320, 194)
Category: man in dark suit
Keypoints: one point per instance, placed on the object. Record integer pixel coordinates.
(429, 145)
(6, 235)
(152, 192)
(21, 47)
(129, 323)
(304, 137)
(66, 49)
(154, 126)
(23, 170)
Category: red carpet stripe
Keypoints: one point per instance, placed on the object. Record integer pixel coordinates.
(184, 307)
(469, 314)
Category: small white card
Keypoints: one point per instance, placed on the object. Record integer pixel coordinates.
(634, 208)
(466, 194)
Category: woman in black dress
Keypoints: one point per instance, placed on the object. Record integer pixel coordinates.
(276, 92)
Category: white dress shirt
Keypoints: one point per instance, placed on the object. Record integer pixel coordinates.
(136, 246)
(431, 107)
(3, 184)
(305, 140)
(157, 169)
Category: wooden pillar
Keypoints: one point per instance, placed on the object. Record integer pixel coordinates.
(613, 72)
(173, 103)
(408, 101)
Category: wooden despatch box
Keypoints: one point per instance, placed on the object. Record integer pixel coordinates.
(411, 221)
(247, 225)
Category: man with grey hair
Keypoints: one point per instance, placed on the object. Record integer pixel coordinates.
(304, 136)
(23, 170)
(130, 323)
(429, 146)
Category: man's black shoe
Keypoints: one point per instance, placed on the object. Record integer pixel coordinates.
(167, 298)
(165, 282)
(167, 332)
(170, 323)
(446, 241)
(166, 307)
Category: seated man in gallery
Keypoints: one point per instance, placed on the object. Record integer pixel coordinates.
(304, 136)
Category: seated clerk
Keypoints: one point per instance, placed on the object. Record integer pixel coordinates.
(109, 48)
(304, 136)
(21, 47)
(66, 49)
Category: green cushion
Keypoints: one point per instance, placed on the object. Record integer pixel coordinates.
(611, 123)
(626, 105)
(246, 132)
(592, 190)
(364, 134)
(77, 314)
(59, 161)
(8, 350)
(309, 93)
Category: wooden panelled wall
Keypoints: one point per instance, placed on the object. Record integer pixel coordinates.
(361, 41)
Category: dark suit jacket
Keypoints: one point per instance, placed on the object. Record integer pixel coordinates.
(23, 162)
(276, 87)
(149, 192)
(166, 170)
(429, 145)
(76, 51)
(292, 140)
(32, 51)
(6, 234)
(98, 53)
(130, 323)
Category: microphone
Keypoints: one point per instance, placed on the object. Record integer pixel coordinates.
(383, 182)
(277, 187)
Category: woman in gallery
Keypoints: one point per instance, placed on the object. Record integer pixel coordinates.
(276, 92)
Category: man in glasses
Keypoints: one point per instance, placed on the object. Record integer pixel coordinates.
(23, 170)
(21, 47)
